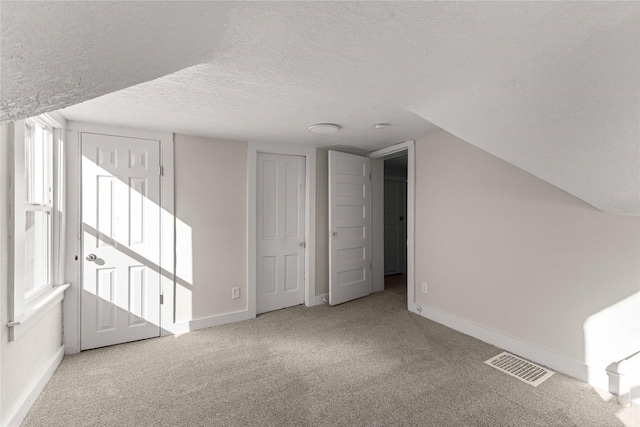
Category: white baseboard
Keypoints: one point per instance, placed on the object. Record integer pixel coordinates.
(573, 368)
(207, 322)
(320, 299)
(595, 376)
(37, 388)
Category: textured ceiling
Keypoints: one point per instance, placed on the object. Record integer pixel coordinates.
(552, 87)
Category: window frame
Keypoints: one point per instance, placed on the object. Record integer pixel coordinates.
(26, 305)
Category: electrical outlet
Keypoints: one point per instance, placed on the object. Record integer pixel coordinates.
(235, 293)
(424, 287)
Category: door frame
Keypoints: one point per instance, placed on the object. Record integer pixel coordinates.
(73, 179)
(377, 190)
(309, 155)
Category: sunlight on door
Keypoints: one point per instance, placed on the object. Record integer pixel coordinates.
(121, 237)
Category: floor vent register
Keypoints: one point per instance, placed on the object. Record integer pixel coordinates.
(523, 370)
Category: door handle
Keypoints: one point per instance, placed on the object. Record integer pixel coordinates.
(302, 245)
(91, 257)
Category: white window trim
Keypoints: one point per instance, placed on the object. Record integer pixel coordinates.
(25, 312)
(35, 310)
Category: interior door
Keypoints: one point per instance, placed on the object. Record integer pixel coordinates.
(280, 231)
(349, 227)
(120, 239)
(395, 232)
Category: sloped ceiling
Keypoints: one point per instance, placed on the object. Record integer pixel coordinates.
(552, 87)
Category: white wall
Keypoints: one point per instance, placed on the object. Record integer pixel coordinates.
(211, 226)
(508, 252)
(5, 134)
(24, 361)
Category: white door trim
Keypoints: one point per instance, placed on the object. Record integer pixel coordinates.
(409, 147)
(310, 205)
(72, 300)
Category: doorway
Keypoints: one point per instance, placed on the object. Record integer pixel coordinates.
(407, 149)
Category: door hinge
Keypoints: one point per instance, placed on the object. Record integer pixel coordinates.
(161, 170)
(369, 177)
(161, 299)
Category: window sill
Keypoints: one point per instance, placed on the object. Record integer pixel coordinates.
(35, 311)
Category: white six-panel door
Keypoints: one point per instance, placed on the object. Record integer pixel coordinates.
(349, 227)
(121, 239)
(280, 243)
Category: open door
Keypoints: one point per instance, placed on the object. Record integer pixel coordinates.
(349, 227)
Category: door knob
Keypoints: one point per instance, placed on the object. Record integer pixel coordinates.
(91, 257)
(302, 245)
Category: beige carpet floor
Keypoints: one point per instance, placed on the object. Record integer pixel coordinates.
(369, 362)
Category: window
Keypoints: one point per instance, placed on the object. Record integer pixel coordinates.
(37, 217)
(38, 206)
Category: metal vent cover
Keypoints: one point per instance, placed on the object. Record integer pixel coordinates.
(523, 370)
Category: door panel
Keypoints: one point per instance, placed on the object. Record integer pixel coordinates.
(395, 240)
(281, 231)
(349, 227)
(121, 237)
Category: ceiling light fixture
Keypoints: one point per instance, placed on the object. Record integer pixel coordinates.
(324, 128)
(382, 126)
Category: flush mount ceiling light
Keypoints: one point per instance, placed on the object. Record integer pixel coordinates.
(324, 128)
(381, 126)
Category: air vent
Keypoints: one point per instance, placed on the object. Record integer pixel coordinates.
(522, 369)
